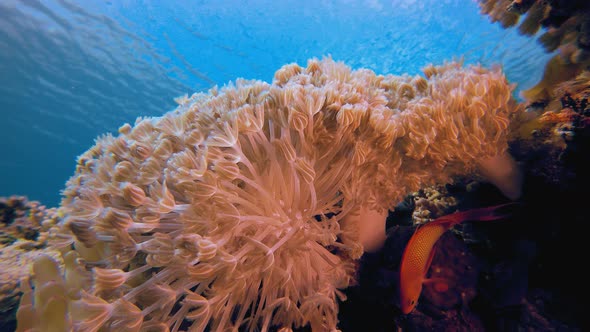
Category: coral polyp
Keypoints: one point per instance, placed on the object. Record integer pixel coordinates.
(240, 209)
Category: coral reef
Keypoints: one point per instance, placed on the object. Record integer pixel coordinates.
(567, 28)
(233, 210)
(556, 132)
(567, 22)
(431, 203)
(23, 219)
(24, 227)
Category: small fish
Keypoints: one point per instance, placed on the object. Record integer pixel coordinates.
(419, 252)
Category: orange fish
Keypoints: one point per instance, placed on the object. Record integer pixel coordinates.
(419, 251)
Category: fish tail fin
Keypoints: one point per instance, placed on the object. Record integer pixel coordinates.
(482, 214)
(489, 213)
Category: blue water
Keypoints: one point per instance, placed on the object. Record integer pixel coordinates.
(72, 70)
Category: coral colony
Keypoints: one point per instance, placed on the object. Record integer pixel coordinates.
(248, 206)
